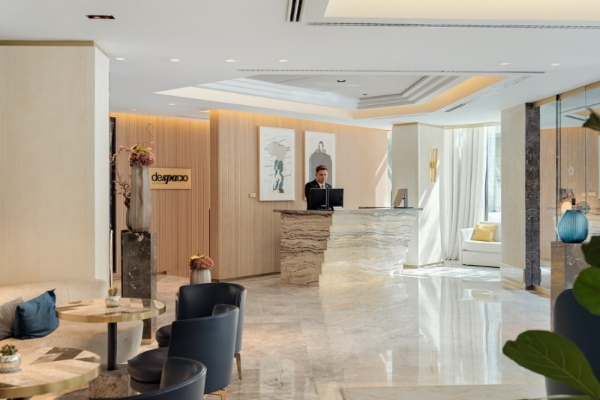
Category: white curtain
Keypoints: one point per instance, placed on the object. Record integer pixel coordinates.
(463, 184)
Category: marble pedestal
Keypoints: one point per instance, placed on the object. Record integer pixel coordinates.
(111, 384)
(138, 263)
(567, 262)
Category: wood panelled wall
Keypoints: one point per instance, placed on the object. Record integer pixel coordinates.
(180, 217)
(244, 231)
(573, 154)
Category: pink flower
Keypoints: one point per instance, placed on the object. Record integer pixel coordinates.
(201, 262)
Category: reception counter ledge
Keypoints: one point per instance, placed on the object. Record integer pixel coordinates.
(321, 248)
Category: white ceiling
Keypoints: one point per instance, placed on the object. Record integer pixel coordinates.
(203, 34)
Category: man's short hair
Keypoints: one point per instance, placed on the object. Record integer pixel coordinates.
(320, 168)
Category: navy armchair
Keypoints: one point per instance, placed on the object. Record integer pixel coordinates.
(198, 300)
(181, 379)
(209, 340)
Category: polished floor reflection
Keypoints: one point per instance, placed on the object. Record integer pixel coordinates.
(435, 326)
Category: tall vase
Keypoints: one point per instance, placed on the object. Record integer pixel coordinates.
(573, 227)
(200, 276)
(140, 206)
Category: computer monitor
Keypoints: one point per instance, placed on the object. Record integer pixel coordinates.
(336, 198)
(317, 199)
(401, 195)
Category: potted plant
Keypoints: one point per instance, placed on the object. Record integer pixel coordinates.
(138, 198)
(10, 358)
(113, 299)
(200, 266)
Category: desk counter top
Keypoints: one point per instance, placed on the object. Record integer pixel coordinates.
(364, 210)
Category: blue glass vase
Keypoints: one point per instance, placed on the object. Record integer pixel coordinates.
(573, 227)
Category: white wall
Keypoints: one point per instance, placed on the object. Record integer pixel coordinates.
(3, 210)
(56, 188)
(411, 150)
(513, 194)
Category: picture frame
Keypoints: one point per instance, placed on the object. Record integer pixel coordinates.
(319, 149)
(277, 163)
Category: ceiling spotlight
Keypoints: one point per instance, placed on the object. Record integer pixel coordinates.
(284, 60)
(341, 80)
(172, 104)
(100, 16)
(175, 59)
(229, 61)
(504, 63)
(120, 59)
(555, 65)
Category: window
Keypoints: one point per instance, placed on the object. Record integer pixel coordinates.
(493, 200)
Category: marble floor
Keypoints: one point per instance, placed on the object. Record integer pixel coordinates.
(431, 329)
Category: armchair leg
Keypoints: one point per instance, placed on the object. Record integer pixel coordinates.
(238, 358)
(221, 393)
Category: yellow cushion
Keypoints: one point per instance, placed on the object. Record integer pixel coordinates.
(484, 233)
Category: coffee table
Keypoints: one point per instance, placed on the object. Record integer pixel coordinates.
(49, 369)
(96, 311)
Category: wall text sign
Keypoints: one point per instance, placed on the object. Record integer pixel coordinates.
(170, 178)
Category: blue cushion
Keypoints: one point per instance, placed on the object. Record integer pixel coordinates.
(37, 317)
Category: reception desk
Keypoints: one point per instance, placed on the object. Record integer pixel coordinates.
(321, 248)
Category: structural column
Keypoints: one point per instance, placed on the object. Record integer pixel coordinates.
(521, 196)
(54, 170)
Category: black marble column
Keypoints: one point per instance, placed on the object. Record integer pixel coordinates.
(138, 263)
(532, 196)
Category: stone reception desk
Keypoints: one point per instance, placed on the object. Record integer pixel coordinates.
(321, 248)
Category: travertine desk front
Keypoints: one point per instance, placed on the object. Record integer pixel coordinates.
(321, 248)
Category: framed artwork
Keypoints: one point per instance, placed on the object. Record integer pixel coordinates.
(277, 161)
(319, 149)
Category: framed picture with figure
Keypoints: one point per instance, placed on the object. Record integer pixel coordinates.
(319, 149)
(277, 161)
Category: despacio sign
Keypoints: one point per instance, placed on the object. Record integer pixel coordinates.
(170, 178)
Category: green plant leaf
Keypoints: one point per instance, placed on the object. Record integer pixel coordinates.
(591, 251)
(553, 356)
(593, 122)
(586, 289)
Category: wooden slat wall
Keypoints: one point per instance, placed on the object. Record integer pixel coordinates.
(180, 217)
(244, 231)
(573, 154)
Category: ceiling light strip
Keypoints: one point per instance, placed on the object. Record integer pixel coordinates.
(476, 26)
(388, 71)
(489, 93)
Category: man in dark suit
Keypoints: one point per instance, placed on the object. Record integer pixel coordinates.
(319, 182)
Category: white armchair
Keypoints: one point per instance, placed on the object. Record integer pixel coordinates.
(473, 252)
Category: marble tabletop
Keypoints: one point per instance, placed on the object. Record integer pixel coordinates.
(48, 370)
(131, 309)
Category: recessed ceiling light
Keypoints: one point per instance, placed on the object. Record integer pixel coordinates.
(100, 16)
(172, 104)
(341, 80)
(120, 59)
(230, 60)
(555, 65)
(175, 59)
(504, 63)
(284, 60)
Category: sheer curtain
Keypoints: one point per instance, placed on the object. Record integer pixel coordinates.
(463, 184)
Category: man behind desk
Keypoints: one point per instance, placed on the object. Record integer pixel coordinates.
(319, 182)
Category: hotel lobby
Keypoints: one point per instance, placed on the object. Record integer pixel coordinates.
(382, 194)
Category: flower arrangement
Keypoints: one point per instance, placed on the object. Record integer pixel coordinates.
(9, 350)
(141, 154)
(198, 261)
